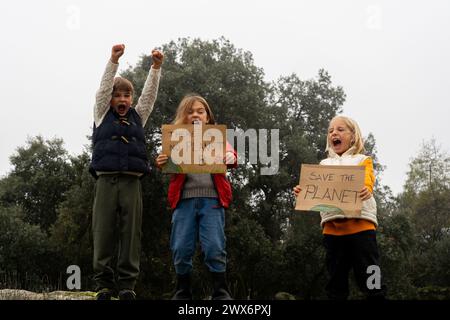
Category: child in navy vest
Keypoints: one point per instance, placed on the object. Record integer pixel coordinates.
(118, 161)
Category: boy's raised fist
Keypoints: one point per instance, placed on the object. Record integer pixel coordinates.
(157, 57)
(116, 52)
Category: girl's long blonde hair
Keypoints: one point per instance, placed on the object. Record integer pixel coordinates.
(357, 143)
(186, 104)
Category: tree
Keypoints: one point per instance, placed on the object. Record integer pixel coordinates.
(304, 255)
(25, 252)
(425, 201)
(430, 169)
(255, 264)
(426, 195)
(396, 243)
(371, 150)
(225, 76)
(39, 180)
(71, 233)
(310, 104)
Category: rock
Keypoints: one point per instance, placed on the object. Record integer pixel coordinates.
(284, 296)
(16, 294)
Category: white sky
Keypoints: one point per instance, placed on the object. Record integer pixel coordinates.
(391, 57)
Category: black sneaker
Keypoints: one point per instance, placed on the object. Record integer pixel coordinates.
(127, 295)
(104, 294)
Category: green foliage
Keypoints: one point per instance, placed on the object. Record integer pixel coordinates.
(395, 241)
(431, 265)
(434, 293)
(310, 105)
(305, 271)
(254, 263)
(426, 203)
(371, 150)
(156, 261)
(432, 214)
(38, 183)
(224, 76)
(430, 169)
(71, 233)
(426, 198)
(23, 247)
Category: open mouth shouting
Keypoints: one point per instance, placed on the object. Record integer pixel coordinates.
(340, 145)
(122, 109)
(336, 142)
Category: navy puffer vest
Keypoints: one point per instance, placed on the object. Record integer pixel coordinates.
(119, 144)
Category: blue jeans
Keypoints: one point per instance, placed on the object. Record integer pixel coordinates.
(203, 219)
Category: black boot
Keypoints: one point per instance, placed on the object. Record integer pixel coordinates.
(127, 294)
(183, 291)
(104, 294)
(220, 288)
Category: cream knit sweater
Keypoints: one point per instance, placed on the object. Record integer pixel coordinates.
(369, 207)
(145, 103)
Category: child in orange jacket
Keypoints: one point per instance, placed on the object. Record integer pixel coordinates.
(350, 242)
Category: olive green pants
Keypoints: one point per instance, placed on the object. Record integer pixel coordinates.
(116, 226)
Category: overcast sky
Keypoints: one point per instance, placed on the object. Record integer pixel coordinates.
(391, 57)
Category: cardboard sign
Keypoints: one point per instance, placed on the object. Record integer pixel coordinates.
(331, 189)
(194, 148)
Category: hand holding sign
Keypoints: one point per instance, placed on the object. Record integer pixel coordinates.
(297, 190)
(161, 160)
(331, 188)
(365, 194)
